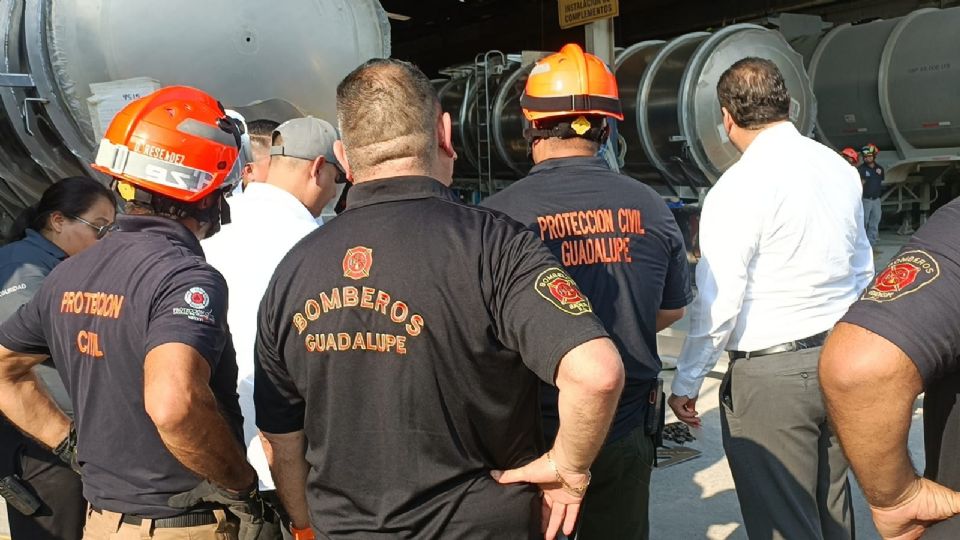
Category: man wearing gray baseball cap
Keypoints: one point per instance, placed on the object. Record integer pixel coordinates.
(268, 218)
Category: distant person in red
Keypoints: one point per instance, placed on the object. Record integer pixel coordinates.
(851, 155)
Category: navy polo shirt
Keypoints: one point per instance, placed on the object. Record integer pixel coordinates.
(621, 244)
(872, 176)
(914, 303)
(98, 314)
(406, 339)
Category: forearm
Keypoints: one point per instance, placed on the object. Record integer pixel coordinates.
(870, 401)
(666, 318)
(202, 442)
(289, 467)
(587, 401)
(697, 357)
(25, 402)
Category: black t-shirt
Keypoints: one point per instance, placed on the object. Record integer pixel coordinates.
(621, 244)
(406, 338)
(98, 314)
(915, 304)
(872, 176)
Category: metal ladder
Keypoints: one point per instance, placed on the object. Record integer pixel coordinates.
(485, 66)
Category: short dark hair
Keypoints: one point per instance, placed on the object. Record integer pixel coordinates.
(260, 131)
(70, 196)
(387, 109)
(754, 92)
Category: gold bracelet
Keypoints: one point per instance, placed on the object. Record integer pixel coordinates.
(577, 491)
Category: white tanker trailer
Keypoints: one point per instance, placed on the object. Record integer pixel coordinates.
(289, 56)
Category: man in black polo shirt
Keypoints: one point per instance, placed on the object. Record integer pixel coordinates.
(620, 243)
(137, 328)
(400, 345)
(871, 176)
(902, 339)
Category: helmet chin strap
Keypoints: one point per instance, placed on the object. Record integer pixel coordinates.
(567, 130)
(212, 209)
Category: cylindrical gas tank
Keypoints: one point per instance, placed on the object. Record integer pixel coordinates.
(919, 75)
(508, 123)
(237, 51)
(508, 150)
(289, 54)
(700, 118)
(657, 110)
(844, 70)
(629, 68)
(452, 94)
(672, 118)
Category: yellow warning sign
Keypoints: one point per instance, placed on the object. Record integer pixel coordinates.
(579, 12)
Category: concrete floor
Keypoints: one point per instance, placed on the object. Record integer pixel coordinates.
(696, 499)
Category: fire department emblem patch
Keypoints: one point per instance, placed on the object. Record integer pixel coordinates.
(558, 288)
(907, 273)
(357, 262)
(197, 298)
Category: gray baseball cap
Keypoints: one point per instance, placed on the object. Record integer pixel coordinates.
(306, 138)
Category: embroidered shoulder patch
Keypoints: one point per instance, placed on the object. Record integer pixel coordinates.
(906, 274)
(558, 288)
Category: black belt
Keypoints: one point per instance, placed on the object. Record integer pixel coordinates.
(190, 519)
(790, 346)
(872, 198)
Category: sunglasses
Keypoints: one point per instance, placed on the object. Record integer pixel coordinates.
(102, 230)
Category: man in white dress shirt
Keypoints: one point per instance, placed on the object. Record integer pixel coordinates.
(784, 254)
(268, 218)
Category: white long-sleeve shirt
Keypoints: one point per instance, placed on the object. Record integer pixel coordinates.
(784, 252)
(266, 222)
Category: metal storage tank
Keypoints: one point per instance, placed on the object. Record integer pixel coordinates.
(891, 83)
(459, 97)
(919, 75)
(672, 126)
(672, 123)
(700, 118)
(845, 70)
(240, 51)
(508, 122)
(658, 113)
(629, 68)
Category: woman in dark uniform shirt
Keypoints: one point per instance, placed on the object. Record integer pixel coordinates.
(71, 216)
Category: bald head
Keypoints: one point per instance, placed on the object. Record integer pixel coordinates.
(388, 112)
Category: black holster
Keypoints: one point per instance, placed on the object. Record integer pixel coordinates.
(656, 415)
(18, 495)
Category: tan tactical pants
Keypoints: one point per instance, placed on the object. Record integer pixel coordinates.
(104, 525)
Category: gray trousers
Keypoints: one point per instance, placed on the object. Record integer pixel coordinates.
(872, 210)
(789, 471)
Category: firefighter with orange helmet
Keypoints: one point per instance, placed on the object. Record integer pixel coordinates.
(137, 328)
(619, 241)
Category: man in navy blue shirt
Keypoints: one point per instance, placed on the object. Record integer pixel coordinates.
(619, 241)
(871, 175)
(901, 340)
(136, 326)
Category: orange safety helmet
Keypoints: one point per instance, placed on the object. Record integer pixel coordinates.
(852, 156)
(177, 142)
(568, 83)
